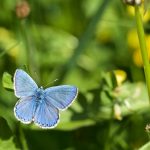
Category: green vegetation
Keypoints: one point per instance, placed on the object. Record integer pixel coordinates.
(92, 44)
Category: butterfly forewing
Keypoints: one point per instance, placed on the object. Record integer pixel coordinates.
(23, 84)
(61, 96)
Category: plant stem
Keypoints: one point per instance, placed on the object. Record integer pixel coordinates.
(26, 42)
(22, 138)
(143, 48)
(30, 49)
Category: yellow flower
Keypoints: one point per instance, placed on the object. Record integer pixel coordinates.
(120, 76)
(132, 39)
(137, 58)
(133, 43)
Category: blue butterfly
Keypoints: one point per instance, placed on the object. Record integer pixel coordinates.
(40, 105)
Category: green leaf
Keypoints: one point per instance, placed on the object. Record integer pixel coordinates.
(8, 144)
(7, 81)
(131, 98)
(145, 147)
(75, 124)
(110, 79)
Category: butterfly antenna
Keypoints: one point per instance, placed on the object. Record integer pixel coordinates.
(51, 82)
(36, 76)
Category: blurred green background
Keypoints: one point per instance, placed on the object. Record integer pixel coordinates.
(91, 44)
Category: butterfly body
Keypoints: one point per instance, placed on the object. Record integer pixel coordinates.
(40, 105)
(40, 95)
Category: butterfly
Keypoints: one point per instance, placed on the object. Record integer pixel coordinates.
(39, 105)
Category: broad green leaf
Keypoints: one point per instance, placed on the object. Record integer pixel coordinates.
(75, 124)
(8, 144)
(7, 81)
(145, 147)
(70, 120)
(132, 97)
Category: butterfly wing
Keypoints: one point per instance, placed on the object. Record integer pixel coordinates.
(23, 84)
(46, 115)
(61, 96)
(25, 108)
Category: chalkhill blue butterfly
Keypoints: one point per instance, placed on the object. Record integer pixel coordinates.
(40, 105)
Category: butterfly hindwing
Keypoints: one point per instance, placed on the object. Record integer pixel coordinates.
(61, 96)
(23, 84)
(46, 115)
(24, 109)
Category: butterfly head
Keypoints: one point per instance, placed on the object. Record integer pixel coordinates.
(40, 94)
